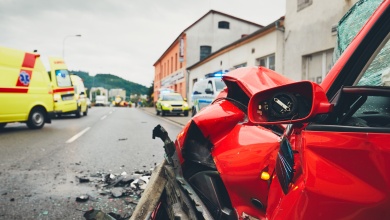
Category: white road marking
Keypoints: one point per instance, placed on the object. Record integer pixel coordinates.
(77, 135)
(102, 118)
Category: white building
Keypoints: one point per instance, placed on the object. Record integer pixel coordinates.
(310, 37)
(213, 31)
(299, 46)
(263, 47)
(208, 34)
(112, 93)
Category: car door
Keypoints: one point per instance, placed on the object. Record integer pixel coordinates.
(345, 155)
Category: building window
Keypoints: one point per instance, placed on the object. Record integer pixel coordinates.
(303, 4)
(223, 25)
(205, 51)
(171, 64)
(315, 66)
(240, 65)
(175, 61)
(168, 68)
(267, 61)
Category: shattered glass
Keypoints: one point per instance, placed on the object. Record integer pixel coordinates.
(378, 73)
(352, 22)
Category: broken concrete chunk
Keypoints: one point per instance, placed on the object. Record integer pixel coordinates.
(117, 192)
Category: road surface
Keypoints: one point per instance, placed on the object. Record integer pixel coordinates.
(41, 170)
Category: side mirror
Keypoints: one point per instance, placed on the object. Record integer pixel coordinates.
(295, 102)
(209, 91)
(185, 99)
(82, 93)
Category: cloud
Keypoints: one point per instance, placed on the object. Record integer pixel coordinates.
(123, 38)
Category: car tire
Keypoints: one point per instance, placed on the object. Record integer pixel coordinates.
(157, 112)
(163, 113)
(2, 125)
(193, 112)
(186, 113)
(86, 111)
(78, 112)
(36, 119)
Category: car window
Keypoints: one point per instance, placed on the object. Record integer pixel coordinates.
(210, 85)
(172, 98)
(199, 88)
(373, 110)
(351, 24)
(366, 104)
(219, 85)
(378, 72)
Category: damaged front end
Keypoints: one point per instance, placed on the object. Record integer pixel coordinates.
(169, 195)
(196, 180)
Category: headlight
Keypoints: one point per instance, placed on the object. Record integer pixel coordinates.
(166, 105)
(185, 105)
(56, 97)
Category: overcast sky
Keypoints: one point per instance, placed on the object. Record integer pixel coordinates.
(121, 37)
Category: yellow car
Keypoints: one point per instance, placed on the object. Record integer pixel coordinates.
(172, 103)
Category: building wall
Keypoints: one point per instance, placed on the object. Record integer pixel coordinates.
(247, 52)
(169, 72)
(308, 37)
(206, 32)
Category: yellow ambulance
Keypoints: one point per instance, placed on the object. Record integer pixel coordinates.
(80, 95)
(65, 98)
(26, 94)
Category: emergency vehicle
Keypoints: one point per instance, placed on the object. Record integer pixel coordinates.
(26, 94)
(206, 90)
(65, 101)
(80, 95)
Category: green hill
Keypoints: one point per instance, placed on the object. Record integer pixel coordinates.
(109, 81)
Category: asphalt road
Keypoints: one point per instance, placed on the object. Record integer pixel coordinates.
(40, 170)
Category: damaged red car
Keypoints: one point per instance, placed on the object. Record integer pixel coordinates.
(271, 148)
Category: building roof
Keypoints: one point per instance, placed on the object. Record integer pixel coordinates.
(197, 21)
(274, 25)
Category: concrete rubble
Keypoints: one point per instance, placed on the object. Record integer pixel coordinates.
(113, 186)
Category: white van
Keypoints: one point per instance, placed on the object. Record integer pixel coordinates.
(204, 93)
(80, 95)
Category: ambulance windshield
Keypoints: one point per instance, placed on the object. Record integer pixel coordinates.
(63, 78)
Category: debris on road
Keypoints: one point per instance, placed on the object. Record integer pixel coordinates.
(99, 215)
(83, 179)
(82, 198)
(112, 188)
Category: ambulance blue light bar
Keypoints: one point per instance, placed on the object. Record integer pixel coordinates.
(217, 74)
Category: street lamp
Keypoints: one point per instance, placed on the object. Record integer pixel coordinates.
(63, 44)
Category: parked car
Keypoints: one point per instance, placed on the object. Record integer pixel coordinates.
(277, 149)
(172, 103)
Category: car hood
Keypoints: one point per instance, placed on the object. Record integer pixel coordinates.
(254, 79)
(174, 102)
